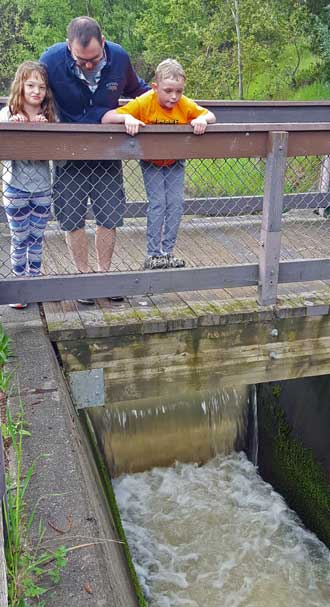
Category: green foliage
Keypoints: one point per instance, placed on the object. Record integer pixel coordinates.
(203, 35)
(322, 29)
(12, 42)
(273, 36)
(31, 570)
(119, 24)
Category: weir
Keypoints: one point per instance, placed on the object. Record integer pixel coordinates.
(139, 366)
(137, 438)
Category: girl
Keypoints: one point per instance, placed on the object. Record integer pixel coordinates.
(27, 183)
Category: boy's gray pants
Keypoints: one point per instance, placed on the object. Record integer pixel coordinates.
(165, 191)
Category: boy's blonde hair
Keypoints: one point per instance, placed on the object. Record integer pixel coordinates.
(169, 68)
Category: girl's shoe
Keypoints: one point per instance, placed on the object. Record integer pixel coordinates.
(86, 301)
(18, 306)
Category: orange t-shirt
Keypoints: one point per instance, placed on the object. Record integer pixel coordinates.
(147, 109)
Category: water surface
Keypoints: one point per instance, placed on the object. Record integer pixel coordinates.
(219, 536)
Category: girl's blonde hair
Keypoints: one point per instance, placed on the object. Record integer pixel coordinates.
(169, 68)
(16, 95)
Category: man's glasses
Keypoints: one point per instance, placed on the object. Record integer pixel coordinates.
(83, 62)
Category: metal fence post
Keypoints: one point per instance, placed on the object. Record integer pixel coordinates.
(270, 243)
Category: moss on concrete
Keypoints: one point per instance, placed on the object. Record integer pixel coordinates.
(111, 499)
(290, 467)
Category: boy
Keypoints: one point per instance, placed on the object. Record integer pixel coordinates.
(163, 179)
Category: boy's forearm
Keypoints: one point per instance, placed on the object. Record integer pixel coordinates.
(210, 118)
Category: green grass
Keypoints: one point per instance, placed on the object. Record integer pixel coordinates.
(224, 177)
(31, 569)
(302, 174)
(311, 92)
(5, 353)
(275, 84)
(242, 177)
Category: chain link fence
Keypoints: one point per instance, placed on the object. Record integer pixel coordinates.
(220, 225)
(306, 228)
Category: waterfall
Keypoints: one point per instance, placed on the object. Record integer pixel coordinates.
(253, 426)
(139, 436)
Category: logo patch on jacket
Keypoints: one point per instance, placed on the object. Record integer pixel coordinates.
(111, 86)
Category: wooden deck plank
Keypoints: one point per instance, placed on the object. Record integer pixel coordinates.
(152, 320)
(175, 311)
(117, 319)
(204, 304)
(63, 320)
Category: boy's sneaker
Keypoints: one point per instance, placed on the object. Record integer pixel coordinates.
(323, 212)
(155, 262)
(174, 262)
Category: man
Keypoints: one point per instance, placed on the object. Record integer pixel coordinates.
(87, 76)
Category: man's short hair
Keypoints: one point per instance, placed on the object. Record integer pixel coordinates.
(82, 30)
(169, 68)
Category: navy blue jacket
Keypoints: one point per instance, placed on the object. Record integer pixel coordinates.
(74, 101)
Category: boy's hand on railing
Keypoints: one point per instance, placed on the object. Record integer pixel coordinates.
(132, 125)
(199, 125)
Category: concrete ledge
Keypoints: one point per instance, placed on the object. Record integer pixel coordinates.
(65, 489)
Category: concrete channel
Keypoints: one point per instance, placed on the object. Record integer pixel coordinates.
(66, 489)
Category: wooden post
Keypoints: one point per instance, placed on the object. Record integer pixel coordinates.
(270, 243)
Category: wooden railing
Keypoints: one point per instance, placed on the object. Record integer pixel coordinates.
(259, 111)
(273, 141)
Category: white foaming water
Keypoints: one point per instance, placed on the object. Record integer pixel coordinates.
(219, 536)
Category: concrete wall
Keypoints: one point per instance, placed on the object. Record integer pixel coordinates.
(294, 436)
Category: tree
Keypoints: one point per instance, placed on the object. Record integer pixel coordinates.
(235, 11)
(12, 40)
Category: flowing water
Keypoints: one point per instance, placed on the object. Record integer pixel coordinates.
(137, 436)
(218, 536)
